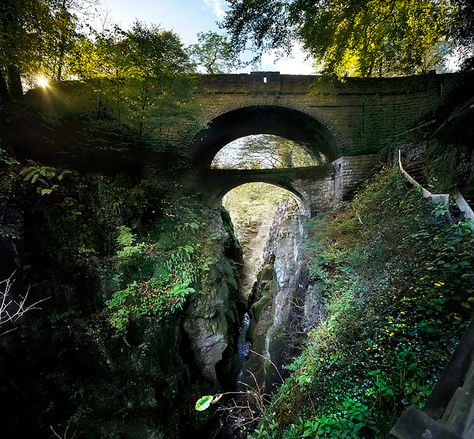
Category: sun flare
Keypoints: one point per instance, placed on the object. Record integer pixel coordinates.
(42, 81)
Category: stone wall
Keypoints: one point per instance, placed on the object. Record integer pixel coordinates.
(349, 173)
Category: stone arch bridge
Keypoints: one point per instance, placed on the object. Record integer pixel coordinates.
(348, 122)
(356, 116)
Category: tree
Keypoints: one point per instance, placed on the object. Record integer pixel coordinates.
(214, 53)
(265, 151)
(22, 37)
(161, 89)
(357, 38)
(143, 80)
(151, 51)
(61, 37)
(35, 38)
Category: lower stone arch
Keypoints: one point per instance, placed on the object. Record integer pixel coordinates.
(299, 194)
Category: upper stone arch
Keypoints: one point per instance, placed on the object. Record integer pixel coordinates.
(364, 115)
(281, 121)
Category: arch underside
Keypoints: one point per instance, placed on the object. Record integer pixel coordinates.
(283, 185)
(217, 182)
(279, 121)
(299, 195)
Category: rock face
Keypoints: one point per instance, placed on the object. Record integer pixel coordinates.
(211, 321)
(64, 364)
(284, 302)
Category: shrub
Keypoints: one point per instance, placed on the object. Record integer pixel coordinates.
(397, 283)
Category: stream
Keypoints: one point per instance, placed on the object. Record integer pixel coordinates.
(243, 347)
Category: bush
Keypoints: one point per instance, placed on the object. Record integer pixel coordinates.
(156, 273)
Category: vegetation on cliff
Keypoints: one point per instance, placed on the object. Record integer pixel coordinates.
(117, 256)
(156, 275)
(397, 282)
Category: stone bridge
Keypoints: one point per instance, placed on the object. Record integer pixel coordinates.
(316, 187)
(347, 121)
(356, 116)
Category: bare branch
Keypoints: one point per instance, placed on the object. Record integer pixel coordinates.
(12, 309)
(64, 436)
(270, 361)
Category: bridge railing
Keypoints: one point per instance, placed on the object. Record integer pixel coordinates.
(444, 199)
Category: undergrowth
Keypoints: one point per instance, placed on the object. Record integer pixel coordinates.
(157, 272)
(397, 282)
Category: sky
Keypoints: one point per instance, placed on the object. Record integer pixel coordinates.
(187, 18)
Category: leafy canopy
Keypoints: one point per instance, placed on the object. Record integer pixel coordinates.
(264, 152)
(357, 38)
(214, 53)
(36, 37)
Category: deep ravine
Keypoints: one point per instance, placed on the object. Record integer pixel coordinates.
(282, 306)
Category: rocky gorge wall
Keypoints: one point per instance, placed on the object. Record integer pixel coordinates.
(285, 304)
(64, 366)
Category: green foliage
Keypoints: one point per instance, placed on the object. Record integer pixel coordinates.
(46, 179)
(444, 168)
(36, 38)
(367, 38)
(204, 403)
(397, 283)
(353, 421)
(265, 152)
(6, 159)
(142, 84)
(8, 173)
(95, 58)
(214, 53)
(142, 81)
(157, 273)
(251, 207)
(150, 51)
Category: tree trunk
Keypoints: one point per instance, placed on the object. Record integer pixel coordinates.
(4, 95)
(14, 82)
(62, 51)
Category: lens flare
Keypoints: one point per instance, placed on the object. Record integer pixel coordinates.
(42, 81)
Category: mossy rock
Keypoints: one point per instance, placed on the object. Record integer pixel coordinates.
(266, 273)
